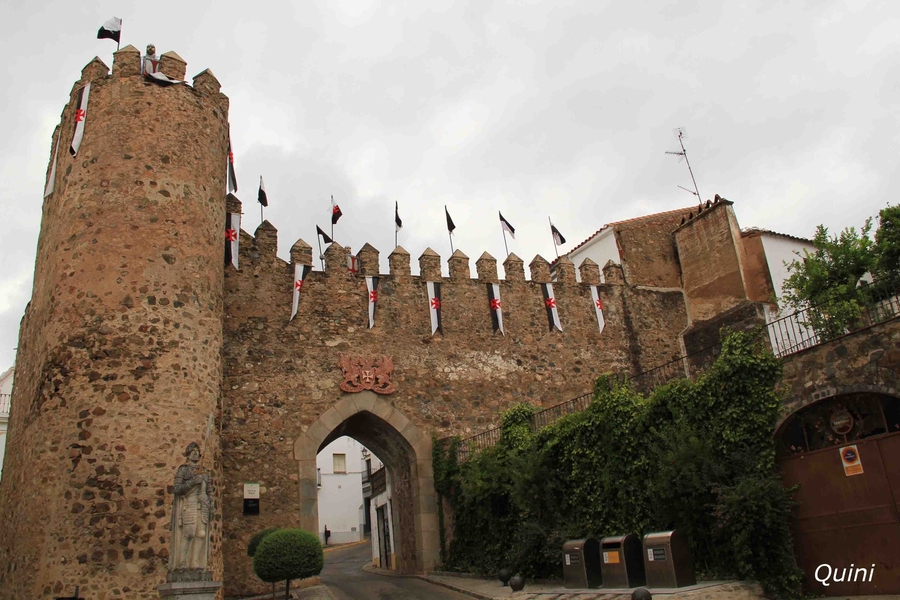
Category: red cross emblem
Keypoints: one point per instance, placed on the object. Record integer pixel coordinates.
(373, 296)
(435, 304)
(230, 235)
(298, 284)
(599, 304)
(79, 115)
(550, 302)
(495, 304)
(230, 156)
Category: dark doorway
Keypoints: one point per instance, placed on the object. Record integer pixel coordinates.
(384, 539)
(845, 518)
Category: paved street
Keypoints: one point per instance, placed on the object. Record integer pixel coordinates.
(345, 578)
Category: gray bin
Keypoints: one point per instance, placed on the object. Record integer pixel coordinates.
(622, 563)
(667, 560)
(581, 563)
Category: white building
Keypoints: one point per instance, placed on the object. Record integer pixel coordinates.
(382, 519)
(6, 383)
(341, 467)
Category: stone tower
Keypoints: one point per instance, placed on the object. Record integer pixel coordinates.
(119, 358)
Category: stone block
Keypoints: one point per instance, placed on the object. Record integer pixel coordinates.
(301, 253)
(346, 407)
(540, 269)
(430, 265)
(399, 263)
(96, 69)
(514, 268)
(172, 66)
(127, 62)
(590, 272)
(368, 258)
(486, 268)
(459, 266)
(206, 83)
(565, 270)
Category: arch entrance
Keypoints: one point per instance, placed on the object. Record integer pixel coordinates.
(844, 453)
(406, 453)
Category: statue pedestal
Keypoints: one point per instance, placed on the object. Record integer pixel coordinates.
(189, 584)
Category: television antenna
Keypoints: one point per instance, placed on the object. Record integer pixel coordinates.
(680, 134)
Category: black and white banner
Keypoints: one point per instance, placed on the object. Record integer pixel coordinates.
(80, 115)
(496, 306)
(300, 273)
(550, 305)
(51, 181)
(598, 306)
(372, 287)
(434, 305)
(232, 237)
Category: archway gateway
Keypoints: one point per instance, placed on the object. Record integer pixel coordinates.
(844, 452)
(406, 454)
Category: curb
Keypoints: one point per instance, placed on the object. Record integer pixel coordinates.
(455, 588)
(342, 546)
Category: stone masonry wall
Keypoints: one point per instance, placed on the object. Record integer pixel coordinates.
(281, 375)
(648, 250)
(119, 359)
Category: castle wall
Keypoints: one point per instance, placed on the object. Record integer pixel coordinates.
(648, 250)
(756, 270)
(118, 363)
(711, 262)
(281, 375)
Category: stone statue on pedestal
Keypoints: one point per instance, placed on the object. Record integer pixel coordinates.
(191, 514)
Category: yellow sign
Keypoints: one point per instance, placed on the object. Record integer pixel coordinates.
(851, 461)
(611, 557)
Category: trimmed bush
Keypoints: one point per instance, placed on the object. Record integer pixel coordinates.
(288, 554)
(257, 538)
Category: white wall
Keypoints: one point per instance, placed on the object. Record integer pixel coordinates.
(778, 250)
(340, 496)
(601, 250)
(6, 383)
(789, 334)
(378, 501)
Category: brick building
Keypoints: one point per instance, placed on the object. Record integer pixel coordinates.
(138, 331)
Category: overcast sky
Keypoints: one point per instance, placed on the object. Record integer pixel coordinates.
(536, 109)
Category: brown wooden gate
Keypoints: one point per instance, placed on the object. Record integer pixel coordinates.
(846, 520)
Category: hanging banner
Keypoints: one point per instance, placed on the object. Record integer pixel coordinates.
(80, 116)
(232, 238)
(550, 305)
(598, 306)
(300, 273)
(434, 306)
(496, 307)
(51, 181)
(372, 287)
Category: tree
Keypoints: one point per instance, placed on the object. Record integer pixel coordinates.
(257, 538)
(288, 554)
(887, 242)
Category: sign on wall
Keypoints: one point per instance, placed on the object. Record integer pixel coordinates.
(251, 498)
(851, 461)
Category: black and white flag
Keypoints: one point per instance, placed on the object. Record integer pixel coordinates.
(434, 306)
(300, 273)
(372, 287)
(496, 307)
(558, 238)
(325, 237)
(598, 306)
(232, 178)
(51, 181)
(80, 115)
(398, 224)
(335, 212)
(504, 224)
(111, 30)
(232, 238)
(160, 78)
(550, 305)
(261, 197)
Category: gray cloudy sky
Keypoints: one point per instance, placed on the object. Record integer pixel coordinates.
(537, 109)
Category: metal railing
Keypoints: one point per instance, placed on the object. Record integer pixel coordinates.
(4, 404)
(875, 303)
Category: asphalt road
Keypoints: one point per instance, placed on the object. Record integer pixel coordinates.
(345, 578)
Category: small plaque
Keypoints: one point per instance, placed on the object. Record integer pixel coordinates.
(575, 558)
(841, 422)
(251, 498)
(655, 554)
(568, 562)
(851, 461)
(611, 557)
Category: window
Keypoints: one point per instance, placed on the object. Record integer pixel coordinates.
(340, 463)
(319, 477)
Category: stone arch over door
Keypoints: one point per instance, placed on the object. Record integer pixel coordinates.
(406, 453)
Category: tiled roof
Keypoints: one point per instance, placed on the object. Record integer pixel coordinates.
(756, 230)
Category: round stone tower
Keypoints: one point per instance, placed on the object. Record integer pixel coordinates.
(119, 357)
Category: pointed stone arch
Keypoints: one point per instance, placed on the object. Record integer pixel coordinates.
(406, 453)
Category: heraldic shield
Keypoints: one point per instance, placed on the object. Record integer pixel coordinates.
(364, 373)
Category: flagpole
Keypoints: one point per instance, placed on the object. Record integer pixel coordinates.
(555, 249)
(503, 231)
(121, 26)
(332, 218)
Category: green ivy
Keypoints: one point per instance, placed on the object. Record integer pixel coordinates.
(698, 456)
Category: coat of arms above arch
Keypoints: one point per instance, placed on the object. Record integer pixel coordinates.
(367, 373)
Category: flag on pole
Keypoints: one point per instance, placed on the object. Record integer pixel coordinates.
(232, 178)
(263, 199)
(496, 307)
(232, 238)
(450, 225)
(397, 222)
(598, 306)
(51, 181)
(372, 287)
(506, 226)
(325, 237)
(80, 116)
(558, 238)
(111, 30)
(550, 305)
(300, 273)
(335, 212)
(434, 305)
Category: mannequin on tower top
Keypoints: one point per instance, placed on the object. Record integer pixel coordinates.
(151, 61)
